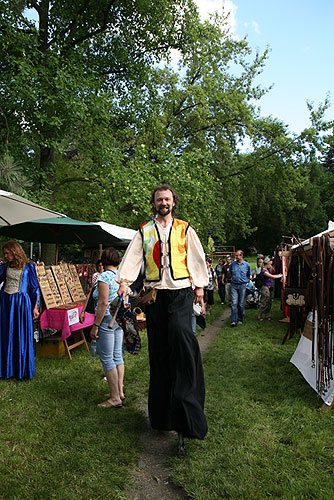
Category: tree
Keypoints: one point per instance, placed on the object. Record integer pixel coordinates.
(284, 182)
(72, 67)
(187, 126)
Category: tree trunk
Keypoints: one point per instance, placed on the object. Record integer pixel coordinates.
(45, 163)
(48, 254)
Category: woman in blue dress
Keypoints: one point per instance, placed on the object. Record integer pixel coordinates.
(18, 308)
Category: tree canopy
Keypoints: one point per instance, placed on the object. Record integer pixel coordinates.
(94, 114)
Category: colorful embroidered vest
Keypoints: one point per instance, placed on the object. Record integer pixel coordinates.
(177, 250)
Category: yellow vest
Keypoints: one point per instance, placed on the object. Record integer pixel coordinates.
(177, 250)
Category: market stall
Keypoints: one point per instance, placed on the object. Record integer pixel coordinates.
(64, 297)
(60, 285)
(310, 296)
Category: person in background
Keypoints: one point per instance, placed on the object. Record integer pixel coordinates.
(200, 306)
(221, 285)
(226, 279)
(209, 290)
(99, 270)
(109, 341)
(19, 298)
(174, 261)
(258, 268)
(266, 290)
(241, 273)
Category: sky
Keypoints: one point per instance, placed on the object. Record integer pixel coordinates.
(300, 35)
(300, 66)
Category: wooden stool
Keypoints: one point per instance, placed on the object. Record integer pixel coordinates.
(68, 347)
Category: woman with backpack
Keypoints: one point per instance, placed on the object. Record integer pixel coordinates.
(265, 278)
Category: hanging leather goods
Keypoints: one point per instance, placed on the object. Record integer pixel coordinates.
(322, 316)
(314, 299)
(332, 312)
(295, 297)
(329, 266)
(322, 309)
(317, 310)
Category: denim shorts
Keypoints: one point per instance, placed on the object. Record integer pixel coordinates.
(110, 345)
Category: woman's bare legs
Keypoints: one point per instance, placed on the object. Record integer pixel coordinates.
(120, 372)
(112, 378)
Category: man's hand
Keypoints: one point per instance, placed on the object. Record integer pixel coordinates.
(199, 294)
(123, 291)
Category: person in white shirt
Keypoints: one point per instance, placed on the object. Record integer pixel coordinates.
(174, 262)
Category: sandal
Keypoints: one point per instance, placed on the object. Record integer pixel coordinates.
(269, 319)
(260, 319)
(107, 404)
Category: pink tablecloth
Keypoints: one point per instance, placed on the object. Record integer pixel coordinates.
(57, 318)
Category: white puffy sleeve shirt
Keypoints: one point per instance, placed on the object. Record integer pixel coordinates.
(132, 261)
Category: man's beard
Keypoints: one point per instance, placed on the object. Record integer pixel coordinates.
(164, 211)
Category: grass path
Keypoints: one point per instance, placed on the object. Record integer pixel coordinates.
(151, 477)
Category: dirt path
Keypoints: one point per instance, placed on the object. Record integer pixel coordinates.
(150, 479)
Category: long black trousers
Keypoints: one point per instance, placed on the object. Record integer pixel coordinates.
(177, 391)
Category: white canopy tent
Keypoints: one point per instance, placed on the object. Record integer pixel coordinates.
(308, 242)
(14, 209)
(123, 233)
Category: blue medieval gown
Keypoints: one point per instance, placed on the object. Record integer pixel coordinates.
(18, 297)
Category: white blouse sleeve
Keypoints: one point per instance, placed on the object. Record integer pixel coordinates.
(130, 266)
(196, 260)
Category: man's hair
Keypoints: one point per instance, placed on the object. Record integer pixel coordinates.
(165, 187)
(110, 257)
(240, 251)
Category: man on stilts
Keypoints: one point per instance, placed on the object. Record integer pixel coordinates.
(175, 268)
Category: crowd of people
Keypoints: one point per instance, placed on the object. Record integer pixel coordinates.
(180, 280)
(234, 279)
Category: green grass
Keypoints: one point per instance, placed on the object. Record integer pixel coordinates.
(267, 436)
(56, 443)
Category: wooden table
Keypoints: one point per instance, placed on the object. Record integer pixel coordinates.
(66, 319)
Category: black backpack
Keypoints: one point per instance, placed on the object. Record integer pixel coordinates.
(260, 280)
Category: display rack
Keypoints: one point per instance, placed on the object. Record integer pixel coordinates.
(64, 297)
(59, 285)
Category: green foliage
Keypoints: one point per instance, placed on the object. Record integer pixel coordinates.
(93, 116)
(12, 176)
(284, 184)
(211, 245)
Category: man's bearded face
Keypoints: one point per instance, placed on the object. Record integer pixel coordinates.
(163, 202)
